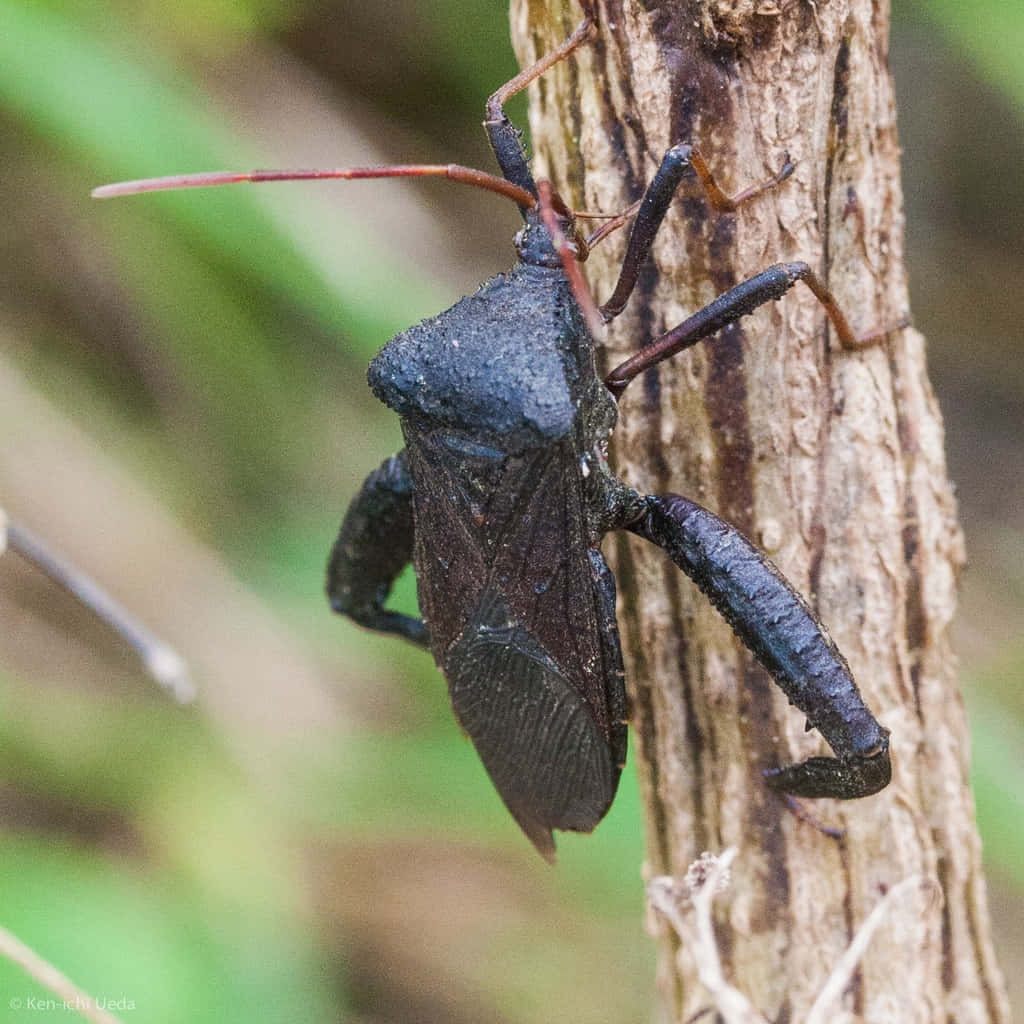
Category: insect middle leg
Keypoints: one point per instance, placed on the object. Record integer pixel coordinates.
(374, 545)
(744, 298)
(651, 210)
(770, 617)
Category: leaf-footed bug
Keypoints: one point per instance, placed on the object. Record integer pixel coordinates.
(502, 495)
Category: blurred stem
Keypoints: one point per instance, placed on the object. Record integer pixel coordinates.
(159, 659)
(991, 32)
(70, 995)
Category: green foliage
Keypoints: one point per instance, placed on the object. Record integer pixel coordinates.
(212, 927)
(219, 354)
(991, 34)
(997, 777)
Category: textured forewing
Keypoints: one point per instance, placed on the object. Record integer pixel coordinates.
(515, 526)
(535, 734)
(452, 563)
(541, 567)
(521, 611)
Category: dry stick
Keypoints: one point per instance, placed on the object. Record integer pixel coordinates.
(708, 877)
(843, 971)
(72, 997)
(159, 659)
(667, 896)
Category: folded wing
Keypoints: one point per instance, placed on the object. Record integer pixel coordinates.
(534, 732)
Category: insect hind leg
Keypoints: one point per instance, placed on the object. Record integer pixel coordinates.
(374, 545)
(832, 777)
(780, 630)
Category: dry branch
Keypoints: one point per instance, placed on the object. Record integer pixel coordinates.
(687, 906)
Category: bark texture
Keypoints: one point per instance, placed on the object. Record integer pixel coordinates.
(830, 461)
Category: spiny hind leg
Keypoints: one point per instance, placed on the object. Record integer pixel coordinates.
(374, 545)
(773, 620)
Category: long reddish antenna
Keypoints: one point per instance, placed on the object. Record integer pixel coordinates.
(454, 172)
(570, 264)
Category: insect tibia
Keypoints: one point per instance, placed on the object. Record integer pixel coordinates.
(781, 631)
(832, 777)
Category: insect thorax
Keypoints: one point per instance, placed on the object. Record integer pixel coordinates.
(511, 365)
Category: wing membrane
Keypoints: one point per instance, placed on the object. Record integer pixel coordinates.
(533, 731)
(521, 614)
(515, 527)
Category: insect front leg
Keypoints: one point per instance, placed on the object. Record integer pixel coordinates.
(675, 165)
(778, 627)
(374, 545)
(507, 140)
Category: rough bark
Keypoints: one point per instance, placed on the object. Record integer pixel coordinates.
(831, 461)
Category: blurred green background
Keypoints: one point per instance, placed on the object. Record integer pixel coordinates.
(183, 411)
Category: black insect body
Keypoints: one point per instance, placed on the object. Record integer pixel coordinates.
(503, 494)
(509, 492)
(500, 500)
